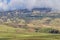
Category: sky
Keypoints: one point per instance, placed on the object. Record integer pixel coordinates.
(29, 4)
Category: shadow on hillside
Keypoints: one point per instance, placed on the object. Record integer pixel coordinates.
(4, 38)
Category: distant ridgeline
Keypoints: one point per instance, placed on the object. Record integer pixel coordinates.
(42, 9)
(25, 13)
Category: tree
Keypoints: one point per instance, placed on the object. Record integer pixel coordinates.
(54, 31)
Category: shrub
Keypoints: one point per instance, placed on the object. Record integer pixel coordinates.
(54, 31)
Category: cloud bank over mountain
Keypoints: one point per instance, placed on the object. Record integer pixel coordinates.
(20, 4)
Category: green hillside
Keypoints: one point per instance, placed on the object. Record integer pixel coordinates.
(6, 28)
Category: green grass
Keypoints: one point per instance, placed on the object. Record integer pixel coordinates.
(29, 36)
(9, 33)
(6, 28)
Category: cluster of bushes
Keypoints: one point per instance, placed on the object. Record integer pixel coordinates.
(47, 30)
(54, 31)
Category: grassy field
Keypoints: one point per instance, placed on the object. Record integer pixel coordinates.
(29, 36)
(9, 33)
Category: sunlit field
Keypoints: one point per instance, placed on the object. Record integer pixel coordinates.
(10, 33)
(29, 36)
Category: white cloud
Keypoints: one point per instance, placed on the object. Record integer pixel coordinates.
(14, 4)
(3, 6)
(30, 3)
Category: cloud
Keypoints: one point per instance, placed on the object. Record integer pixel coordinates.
(3, 5)
(15, 3)
(18, 4)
